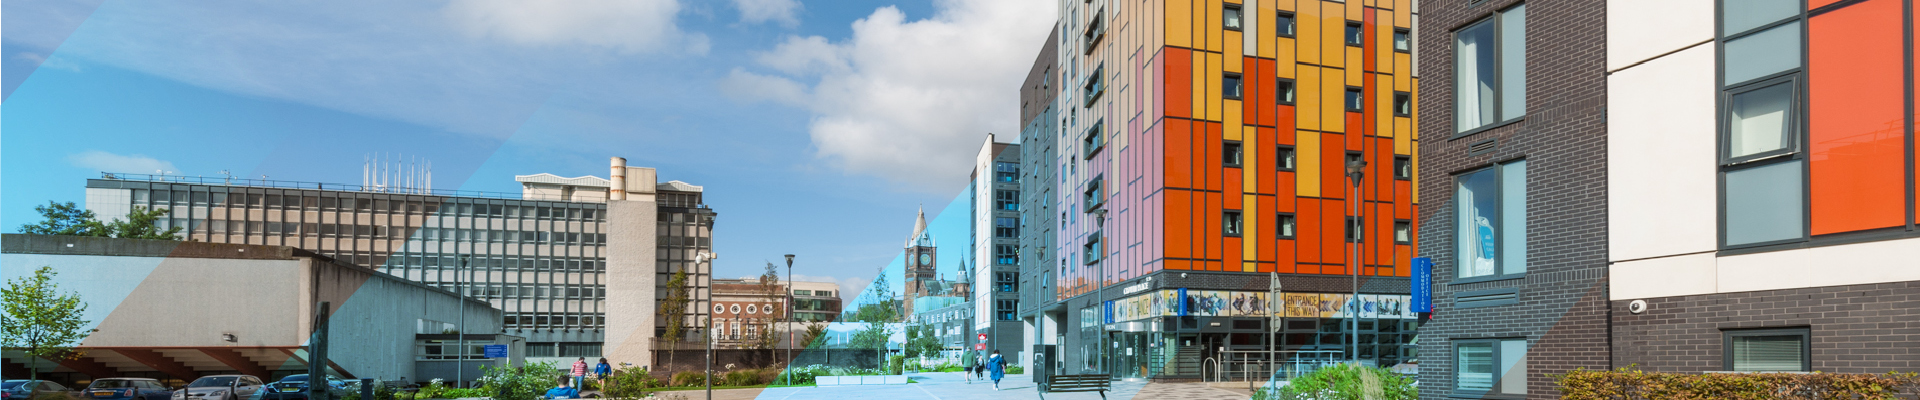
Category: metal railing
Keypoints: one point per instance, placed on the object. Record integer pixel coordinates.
(339, 187)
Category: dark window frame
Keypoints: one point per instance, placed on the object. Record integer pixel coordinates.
(1497, 357)
(1353, 104)
(1237, 84)
(1798, 134)
(1280, 154)
(1232, 223)
(1399, 33)
(1356, 34)
(1285, 92)
(1806, 344)
(1288, 29)
(1398, 162)
(1499, 74)
(1356, 229)
(1402, 104)
(1398, 225)
(1232, 154)
(1093, 140)
(1500, 270)
(1240, 20)
(1281, 221)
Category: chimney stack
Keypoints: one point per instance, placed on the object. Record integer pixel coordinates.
(619, 175)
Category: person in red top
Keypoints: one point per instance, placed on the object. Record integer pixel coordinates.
(579, 371)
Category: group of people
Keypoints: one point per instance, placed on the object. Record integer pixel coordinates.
(570, 385)
(992, 365)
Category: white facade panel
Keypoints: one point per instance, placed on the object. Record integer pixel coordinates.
(1852, 264)
(1639, 30)
(1660, 277)
(1660, 170)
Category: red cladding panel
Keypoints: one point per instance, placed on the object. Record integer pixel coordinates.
(1856, 127)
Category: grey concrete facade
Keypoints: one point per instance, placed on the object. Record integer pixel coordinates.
(1039, 134)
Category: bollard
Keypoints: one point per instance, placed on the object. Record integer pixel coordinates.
(366, 388)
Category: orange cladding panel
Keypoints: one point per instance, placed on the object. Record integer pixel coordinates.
(1333, 230)
(1179, 222)
(1179, 139)
(1307, 230)
(1856, 125)
(1179, 88)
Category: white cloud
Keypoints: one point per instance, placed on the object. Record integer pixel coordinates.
(101, 161)
(758, 11)
(626, 25)
(747, 86)
(911, 100)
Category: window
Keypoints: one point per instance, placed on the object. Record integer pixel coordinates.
(1006, 254)
(1402, 40)
(1767, 350)
(1230, 154)
(1403, 232)
(1091, 251)
(1403, 168)
(1286, 225)
(1094, 197)
(1356, 36)
(1232, 15)
(1286, 157)
(1006, 281)
(1096, 85)
(1093, 140)
(1356, 229)
(1490, 63)
(1284, 24)
(1231, 86)
(1004, 309)
(1006, 227)
(1284, 95)
(1490, 366)
(1402, 104)
(1006, 171)
(1006, 200)
(1356, 100)
(1491, 213)
(1230, 223)
(1761, 118)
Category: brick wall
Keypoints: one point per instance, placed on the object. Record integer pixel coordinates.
(1562, 308)
(1856, 329)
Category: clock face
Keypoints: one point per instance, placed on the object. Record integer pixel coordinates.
(926, 259)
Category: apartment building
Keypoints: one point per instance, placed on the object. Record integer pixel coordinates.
(1202, 154)
(1039, 141)
(576, 265)
(995, 231)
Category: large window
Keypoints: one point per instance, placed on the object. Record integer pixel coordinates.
(1006, 200)
(1230, 154)
(1230, 86)
(1490, 366)
(1490, 66)
(1006, 171)
(1768, 350)
(1093, 141)
(1006, 254)
(1230, 223)
(1283, 24)
(1006, 281)
(1006, 227)
(1490, 214)
(1091, 252)
(1232, 16)
(1094, 197)
(1286, 225)
(1286, 159)
(1096, 85)
(1284, 92)
(1763, 200)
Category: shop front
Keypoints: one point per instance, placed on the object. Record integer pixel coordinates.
(1239, 335)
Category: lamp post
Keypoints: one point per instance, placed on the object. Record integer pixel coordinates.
(790, 319)
(460, 365)
(1356, 170)
(707, 257)
(1100, 219)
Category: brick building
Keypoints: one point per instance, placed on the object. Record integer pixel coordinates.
(1515, 192)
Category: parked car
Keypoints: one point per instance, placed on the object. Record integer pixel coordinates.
(20, 389)
(126, 389)
(222, 387)
(294, 387)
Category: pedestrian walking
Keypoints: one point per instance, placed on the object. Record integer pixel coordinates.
(600, 373)
(579, 371)
(997, 366)
(563, 391)
(968, 362)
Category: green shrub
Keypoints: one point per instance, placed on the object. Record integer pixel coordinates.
(435, 389)
(1345, 382)
(630, 382)
(528, 382)
(1633, 384)
(896, 364)
(689, 379)
(744, 377)
(1015, 370)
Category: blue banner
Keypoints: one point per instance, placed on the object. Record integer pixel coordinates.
(1422, 284)
(495, 350)
(1183, 302)
(1106, 310)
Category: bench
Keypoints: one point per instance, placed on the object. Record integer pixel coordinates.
(1077, 383)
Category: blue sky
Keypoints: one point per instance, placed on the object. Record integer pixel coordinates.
(816, 128)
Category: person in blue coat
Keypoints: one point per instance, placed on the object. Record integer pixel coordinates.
(563, 391)
(996, 368)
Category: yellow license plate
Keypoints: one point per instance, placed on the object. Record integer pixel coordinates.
(103, 392)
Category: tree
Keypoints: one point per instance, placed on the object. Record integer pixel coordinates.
(815, 332)
(65, 219)
(923, 341)
(773, 293)
(40, 321)
(877, 314)
(675, 311)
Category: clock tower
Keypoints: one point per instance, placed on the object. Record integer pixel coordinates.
(920, 257)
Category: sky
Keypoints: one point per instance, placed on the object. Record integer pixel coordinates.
(817, 128)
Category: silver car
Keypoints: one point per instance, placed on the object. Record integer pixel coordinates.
(222, 387)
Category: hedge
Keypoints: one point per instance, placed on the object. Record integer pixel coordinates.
(1632, 384)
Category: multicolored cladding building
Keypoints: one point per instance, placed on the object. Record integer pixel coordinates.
(1204, 145)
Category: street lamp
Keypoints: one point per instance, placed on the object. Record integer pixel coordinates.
(1356, 170)
(460, 365)
(707, 257)
(1100, 219)
(790, 319)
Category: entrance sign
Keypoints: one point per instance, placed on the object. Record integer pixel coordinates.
(1422, 285)
(495, 351)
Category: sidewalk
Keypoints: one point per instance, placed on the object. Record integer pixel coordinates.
(949, 386)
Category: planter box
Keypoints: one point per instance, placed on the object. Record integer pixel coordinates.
(860, 380)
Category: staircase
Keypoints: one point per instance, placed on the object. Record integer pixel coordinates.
(1185, 366)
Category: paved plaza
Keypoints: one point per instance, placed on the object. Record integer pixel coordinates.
(954, 386)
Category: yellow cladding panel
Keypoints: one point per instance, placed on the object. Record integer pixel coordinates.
(1403, 62)
(1180, 23)
(1333, 31)
(1249, 151)
(1307, 154)
(1234, 44)
(1384, 36)
(1199, 85)
(1249, 249)
(1333, 110)
(1279, 5)
(1413, 129)
(1358, 67)
(1383, 105)
(1353, 9)
(1206, 25)
(1307, 28)
(1403, 9)
(1231, 123)
(1284, 54)
(1214, 73)
(1309, 97)
(1416, 174)
(1265, 16)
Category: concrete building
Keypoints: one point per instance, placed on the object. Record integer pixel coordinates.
(1039, 136)
(176, 311)
(576, 264)
(1760, 178)
(1204, 148)
(996, 248)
